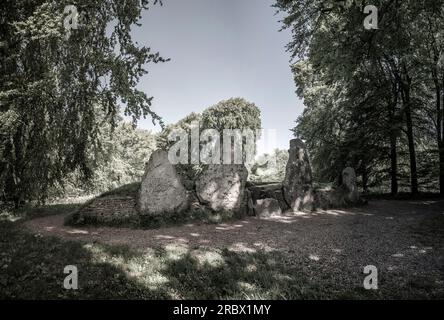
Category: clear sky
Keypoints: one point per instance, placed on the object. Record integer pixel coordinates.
(219, 49)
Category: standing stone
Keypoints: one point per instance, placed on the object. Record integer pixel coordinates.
(221, 187)
(267, 207)
(161, 190)
(349, 185)
(298, 190)
(343, 196)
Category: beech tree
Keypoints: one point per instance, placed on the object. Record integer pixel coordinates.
(52, 81)
(369, 93)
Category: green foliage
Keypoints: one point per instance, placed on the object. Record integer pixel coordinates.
(163, 141)
(270, 167)
(125, 155)
(234, 113)
(372, 96)
(119, 160)
(51, 85)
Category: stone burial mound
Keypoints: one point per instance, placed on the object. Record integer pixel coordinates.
(171, 194)
(167, 195)
(115, 208)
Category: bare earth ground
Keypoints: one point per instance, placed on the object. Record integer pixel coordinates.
(403, 239)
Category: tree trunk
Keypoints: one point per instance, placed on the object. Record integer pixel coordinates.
(365, 181)
(364, 172)
(393, 163)
(395, 124)
(411, 142)
(440, 129)
(393, 148)
(441, 168)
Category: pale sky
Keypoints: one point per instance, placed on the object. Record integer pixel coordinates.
(219, 49)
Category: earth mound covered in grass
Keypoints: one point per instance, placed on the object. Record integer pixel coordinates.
(118, 208)
(169, 194)
(113, 208)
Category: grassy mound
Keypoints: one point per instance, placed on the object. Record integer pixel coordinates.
(118, 208)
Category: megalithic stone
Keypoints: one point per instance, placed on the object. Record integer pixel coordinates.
(161, 190)
(349, 185)
(221, 187)
(298, 184)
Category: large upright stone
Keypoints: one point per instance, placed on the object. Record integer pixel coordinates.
(161, 190)
(221, 187)
(298, 190)
(349, 185)
(345, 195)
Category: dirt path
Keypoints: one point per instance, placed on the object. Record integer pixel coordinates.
(389, 226)
(404, 239)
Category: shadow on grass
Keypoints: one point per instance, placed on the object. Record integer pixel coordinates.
(32, 268)
(31, 211)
